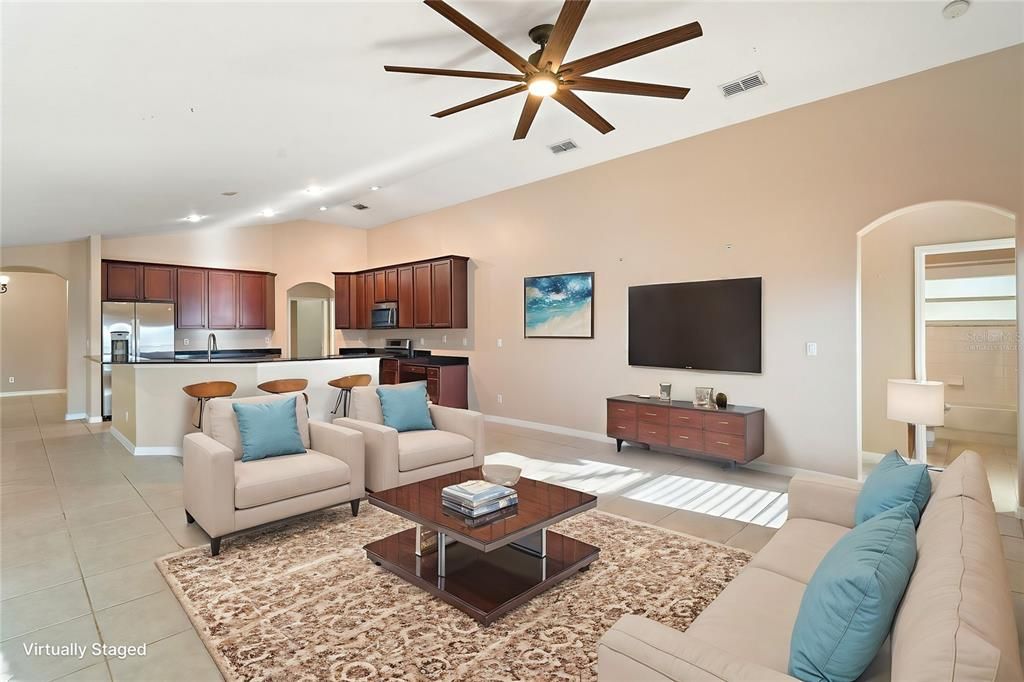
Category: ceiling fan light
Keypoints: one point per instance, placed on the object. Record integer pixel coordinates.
(543, 84)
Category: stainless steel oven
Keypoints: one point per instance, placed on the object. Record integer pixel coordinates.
(384, 316)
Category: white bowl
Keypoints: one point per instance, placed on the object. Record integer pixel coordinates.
(502, 474)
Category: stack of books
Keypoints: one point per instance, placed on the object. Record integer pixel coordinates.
(478, 500)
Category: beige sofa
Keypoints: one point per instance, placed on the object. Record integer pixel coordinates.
(955, 623)
(224, 495)
(394, 459)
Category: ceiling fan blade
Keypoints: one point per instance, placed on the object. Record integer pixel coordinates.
(565, 29)
(486, 39)
(626, 87)
(577, 106)
(489, 75)
(636, 48)
(526, 118)
(481, 100)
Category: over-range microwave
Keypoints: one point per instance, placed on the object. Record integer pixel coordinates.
(384, 316)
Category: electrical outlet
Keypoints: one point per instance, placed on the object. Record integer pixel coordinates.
(499, 399)
(444, 338)
(499, 343)
(422, 341)
(266, 340)
(184, 342)
(812, 349)
(10, 380)
(465, 341)
(126, 415)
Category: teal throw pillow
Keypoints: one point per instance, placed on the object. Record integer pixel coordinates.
(405, 406)
(268, 429)
(893, 483)
(847, 610)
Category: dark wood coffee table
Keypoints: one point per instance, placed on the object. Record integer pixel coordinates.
(486, 571)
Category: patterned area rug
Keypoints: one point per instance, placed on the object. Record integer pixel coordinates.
(301, 602)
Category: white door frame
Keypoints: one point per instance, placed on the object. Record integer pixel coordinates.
(920, 364)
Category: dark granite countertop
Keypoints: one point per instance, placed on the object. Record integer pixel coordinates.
(435, 360)
(223, 357)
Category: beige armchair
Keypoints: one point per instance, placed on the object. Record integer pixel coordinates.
(224, 495)
(394, 459)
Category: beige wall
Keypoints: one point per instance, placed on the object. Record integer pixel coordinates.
(70, 260)
(33, 333)
(978, 363)
(788, 192)
(298, 251)
(887, 295)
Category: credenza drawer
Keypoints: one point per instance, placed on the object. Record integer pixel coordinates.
(725, 423)
(686, 438)
(725, 445)
(652, 414)
(619, 410)
(622, 428)
(687, 418)
(652, 434)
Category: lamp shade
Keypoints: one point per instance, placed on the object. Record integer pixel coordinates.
(916, 402)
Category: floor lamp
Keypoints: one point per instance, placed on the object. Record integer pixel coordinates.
(918, 403)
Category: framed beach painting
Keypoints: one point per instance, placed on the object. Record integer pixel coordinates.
(559, 306)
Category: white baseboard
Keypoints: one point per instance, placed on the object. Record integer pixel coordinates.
(143, 451)
(550, 428)
(95, 420)
(122, 439)
(75, 416)
(47, 391)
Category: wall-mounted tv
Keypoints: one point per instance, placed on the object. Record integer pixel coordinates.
(711, 326)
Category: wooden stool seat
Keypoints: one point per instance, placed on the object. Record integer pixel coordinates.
(202, 392)
(346, 384)
(284, 385)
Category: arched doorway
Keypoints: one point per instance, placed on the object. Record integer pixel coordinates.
(33, 332)
(891, 295)
(310, 320)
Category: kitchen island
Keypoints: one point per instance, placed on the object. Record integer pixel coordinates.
(150, 414)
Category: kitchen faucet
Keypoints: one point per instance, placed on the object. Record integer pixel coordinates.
(211, 345)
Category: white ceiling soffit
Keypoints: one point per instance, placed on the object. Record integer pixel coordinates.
(125, 118)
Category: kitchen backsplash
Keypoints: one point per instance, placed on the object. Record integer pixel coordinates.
(195, 339)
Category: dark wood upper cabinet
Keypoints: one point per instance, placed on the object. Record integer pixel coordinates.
(222, 299)
(422, 295)
(380, 286)
(124, 281)
(369, 298)
(342, 302)
(190, 299)
(405, 297)
(391, 284)
(158, 283)
(253, 306)
(441, 294)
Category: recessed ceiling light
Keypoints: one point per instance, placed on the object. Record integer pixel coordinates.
(374, 188)
(268, 213)
(314, 190)
(323, 208)
(193, 218)
(955, 9)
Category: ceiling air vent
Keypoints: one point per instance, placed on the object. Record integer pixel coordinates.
(360, 207)
(565, 146)
(754, 80)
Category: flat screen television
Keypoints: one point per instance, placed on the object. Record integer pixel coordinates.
(711, 326)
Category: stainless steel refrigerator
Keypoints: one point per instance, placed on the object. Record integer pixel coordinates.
(150, 328)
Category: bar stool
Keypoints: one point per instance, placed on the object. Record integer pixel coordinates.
(286, 386)
(202, 392)
(345, 386)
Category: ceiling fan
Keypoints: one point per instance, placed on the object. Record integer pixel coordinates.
(544, 75)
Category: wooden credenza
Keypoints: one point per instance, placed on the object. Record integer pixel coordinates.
(734, 434)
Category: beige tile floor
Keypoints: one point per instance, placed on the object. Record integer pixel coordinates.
(82, 522)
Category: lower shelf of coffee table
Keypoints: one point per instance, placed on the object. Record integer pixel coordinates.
(485, 585)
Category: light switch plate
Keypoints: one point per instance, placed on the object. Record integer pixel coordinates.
(812, 349)
(499, 343)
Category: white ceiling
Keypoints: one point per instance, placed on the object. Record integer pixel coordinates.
(124, 118)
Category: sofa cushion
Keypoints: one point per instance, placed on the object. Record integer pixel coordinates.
(891, 484)
(279, 478)
(848, 607)
(364, 405)
(268, 429)
(418, 449)
(406, 407)
(956, 620)
(220, 424)
(753, 617)
(798, 547)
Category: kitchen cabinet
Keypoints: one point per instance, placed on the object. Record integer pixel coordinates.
(190, 299)
(343, 307)
(405, 297)
(123, 281)
(391, 284)
(441, 294)
(158, 283)
(222, 299)
(447, 384)
(255, 301)
(388, 371)
(422, 295)
(366, 306)
(380, 286)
